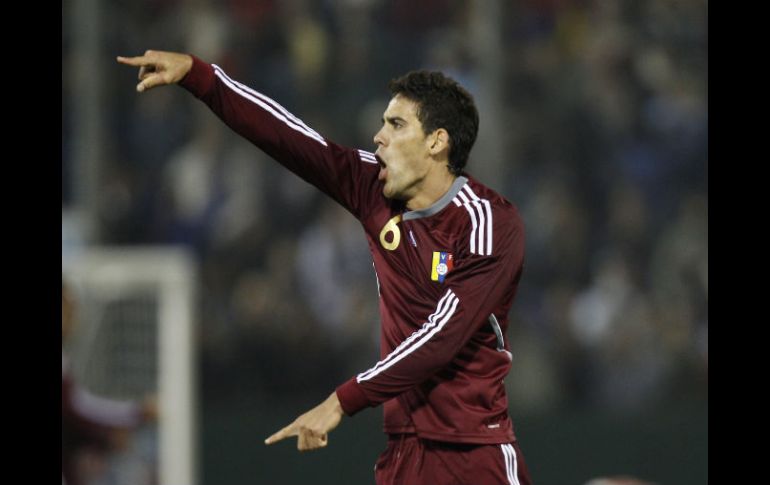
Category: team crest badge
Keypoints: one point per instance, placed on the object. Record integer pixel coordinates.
(442, 265)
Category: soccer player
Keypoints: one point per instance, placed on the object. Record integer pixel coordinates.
(92, 426)
(448, 255)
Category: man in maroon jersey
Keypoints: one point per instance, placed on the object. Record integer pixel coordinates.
(91, 426)
(448, 255)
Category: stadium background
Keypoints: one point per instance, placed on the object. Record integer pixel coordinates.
(593, 121)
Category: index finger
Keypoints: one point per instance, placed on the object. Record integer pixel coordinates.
(282, 434)
(134, 61)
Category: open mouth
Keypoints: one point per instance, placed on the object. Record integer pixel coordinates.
(383, 175)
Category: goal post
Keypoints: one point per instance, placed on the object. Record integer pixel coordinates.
(135, 335)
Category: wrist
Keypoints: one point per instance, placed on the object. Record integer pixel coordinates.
(351, 397)
(334, 402)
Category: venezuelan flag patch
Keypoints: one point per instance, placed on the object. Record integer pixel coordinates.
(442, 265)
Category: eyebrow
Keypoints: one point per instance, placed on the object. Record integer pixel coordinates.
(393, 119)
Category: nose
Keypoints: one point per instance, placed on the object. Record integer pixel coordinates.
(379, 140)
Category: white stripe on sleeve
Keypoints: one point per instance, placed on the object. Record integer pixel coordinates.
(268, 105)
(270, 101)
(444, 311)
(488, 210)
(476, 228)
(367, 156)
(482, 220)
(488, 207)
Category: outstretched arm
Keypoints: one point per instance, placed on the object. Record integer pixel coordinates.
(347, 175)
(158, 68)
(312, 428)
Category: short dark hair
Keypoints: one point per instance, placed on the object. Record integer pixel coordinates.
(442, 103)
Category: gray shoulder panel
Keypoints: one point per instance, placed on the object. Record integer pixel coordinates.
(439, 204)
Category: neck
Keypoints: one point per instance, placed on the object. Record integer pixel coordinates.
(433, 188)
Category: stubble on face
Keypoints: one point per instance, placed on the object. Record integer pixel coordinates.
(401, 151)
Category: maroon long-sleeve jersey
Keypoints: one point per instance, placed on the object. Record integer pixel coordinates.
(447, 275)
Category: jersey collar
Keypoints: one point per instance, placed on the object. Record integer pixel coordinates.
(439, 204)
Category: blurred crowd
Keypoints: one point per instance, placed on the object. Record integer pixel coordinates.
(601, 118)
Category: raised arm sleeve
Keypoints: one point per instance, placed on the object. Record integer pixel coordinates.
(347, 175)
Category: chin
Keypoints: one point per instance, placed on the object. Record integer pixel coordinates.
(392, 194)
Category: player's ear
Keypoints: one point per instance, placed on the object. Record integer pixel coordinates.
(439, 140)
